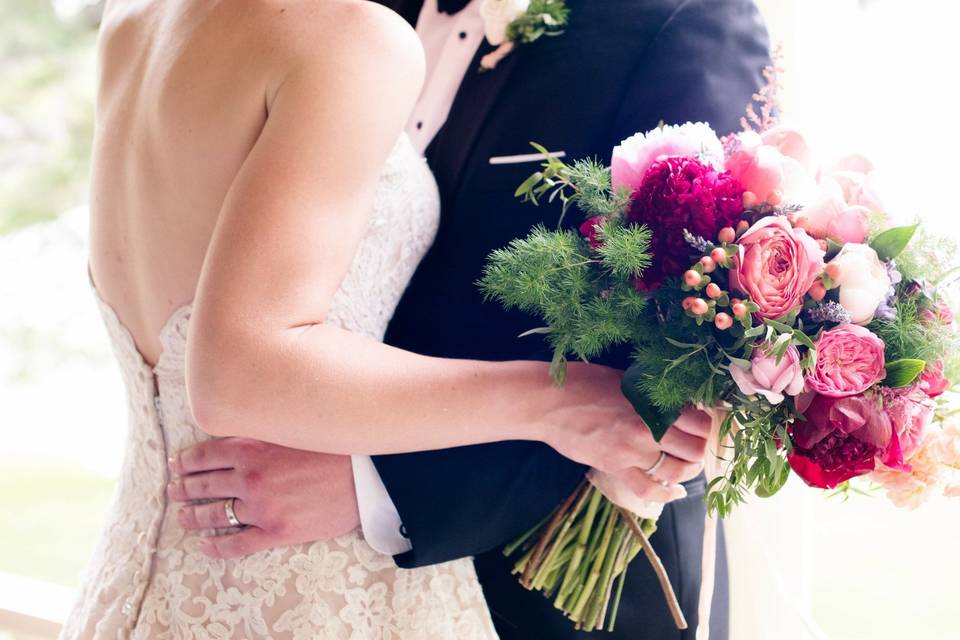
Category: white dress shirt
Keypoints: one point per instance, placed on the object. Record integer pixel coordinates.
(450, 43)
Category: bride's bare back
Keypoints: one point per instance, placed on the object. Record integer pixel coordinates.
(185, 90)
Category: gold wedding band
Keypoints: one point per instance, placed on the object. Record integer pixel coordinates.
(231, 514)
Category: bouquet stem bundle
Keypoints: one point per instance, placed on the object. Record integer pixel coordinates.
(579, 558)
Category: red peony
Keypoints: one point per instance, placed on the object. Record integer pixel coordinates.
(592, 229)
(842, 438)
(680, 193)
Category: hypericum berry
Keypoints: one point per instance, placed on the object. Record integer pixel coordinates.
(818, 292)
(713, 291)
(833, 270)
(709, 266)
(727, 235)
(699, 306)
(719, 255)
(692, 278)
(735, 301)
(742, 226)
(774, 199)
(749, 199)
(687, 302)
(723, 321)
(739, 310)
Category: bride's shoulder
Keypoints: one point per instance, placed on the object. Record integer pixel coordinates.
(361, 36)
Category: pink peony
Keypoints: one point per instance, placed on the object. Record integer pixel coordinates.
(680, 194)
(842, 438)
(764, 170)
(591, 230)
(831, 217)
(777, 265)
(910, 411)
(932, 381)
(849, 361)
(767, 377)
(635, 155)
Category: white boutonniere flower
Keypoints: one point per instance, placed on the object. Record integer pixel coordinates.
(509, 22)
(497, 16)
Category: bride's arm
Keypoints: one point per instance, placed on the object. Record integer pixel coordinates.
(261, 362)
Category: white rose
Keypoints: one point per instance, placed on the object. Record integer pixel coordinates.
(863, 281)
(497, 16)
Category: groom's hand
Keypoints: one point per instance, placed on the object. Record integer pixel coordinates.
(283, 496)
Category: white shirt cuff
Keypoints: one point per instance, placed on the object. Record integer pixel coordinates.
(379, 517)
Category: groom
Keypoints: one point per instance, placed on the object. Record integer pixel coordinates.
(621, 66)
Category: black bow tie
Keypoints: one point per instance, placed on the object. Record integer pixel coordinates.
(452, 6)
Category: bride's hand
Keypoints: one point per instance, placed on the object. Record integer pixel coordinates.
(595, 425)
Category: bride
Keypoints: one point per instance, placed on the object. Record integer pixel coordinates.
(255, 217)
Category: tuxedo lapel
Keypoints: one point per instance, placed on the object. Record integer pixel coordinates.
(478, 93)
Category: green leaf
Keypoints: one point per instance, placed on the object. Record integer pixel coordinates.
(528, 185)
(903, 372)
(537, 331)
(892, 242)
(657, 420)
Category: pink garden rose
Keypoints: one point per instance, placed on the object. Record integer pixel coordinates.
(842, 438)
(764, 169)
(790, 143)
(831, 217)
(849, 361)
(855, 176)
(932, 381)
(911, 412)
(776, 266)
(636, 154)
(768, 378)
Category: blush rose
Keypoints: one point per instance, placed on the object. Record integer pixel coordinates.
(776, 266)
(849, 361)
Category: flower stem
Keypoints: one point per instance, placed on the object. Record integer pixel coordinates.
(658, 569)
(534, 564)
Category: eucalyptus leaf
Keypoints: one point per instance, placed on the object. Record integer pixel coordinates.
(892, 242)
(657, 420)
(903, 372)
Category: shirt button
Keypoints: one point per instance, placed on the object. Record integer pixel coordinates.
(420, 125)
(463, 35)
(403, 531)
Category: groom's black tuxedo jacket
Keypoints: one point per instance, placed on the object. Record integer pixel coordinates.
(622, 66)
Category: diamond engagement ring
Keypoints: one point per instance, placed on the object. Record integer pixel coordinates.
(232, 515)
(656, 465)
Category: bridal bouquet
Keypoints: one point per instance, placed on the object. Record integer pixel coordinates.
(751, 281)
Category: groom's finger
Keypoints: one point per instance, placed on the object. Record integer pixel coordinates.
(206, 486)
(234, 545)
(212, 515)
(219, 453)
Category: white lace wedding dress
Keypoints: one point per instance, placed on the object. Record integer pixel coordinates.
(148, 580)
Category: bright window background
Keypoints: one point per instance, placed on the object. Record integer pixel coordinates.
(877, 77)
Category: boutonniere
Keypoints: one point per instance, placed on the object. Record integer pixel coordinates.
(508, 23)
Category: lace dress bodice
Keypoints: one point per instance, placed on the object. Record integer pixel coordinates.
(147, 578)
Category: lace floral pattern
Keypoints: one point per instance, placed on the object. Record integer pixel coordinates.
(148, 579)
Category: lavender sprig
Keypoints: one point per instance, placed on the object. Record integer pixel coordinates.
(697, 242)
(829, 311)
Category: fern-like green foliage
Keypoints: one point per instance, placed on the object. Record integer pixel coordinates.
(594, 196)
(625, 250)
(553, 275)
(542, 18)
(907, 336)
(929, 257)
